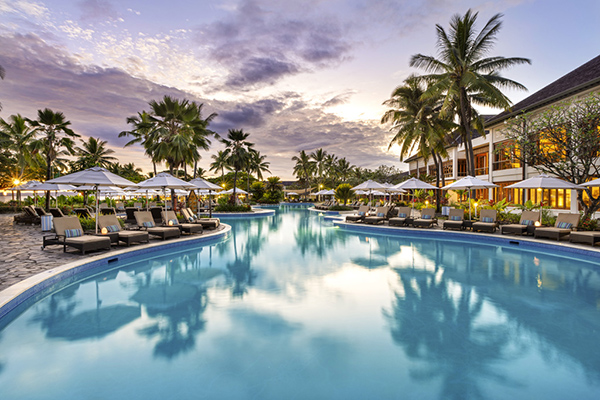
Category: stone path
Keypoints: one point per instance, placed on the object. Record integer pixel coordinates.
(21, 254)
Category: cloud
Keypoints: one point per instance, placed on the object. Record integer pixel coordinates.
(341, 98)
(97, 10)
(261, 43)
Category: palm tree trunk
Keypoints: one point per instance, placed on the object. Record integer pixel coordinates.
(195, 168)
(154, 166)
(232, 198)
(437, 181)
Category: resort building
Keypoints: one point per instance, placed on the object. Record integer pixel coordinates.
(492, 165)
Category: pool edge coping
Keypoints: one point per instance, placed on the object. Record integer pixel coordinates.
(14, 295)
(485, 238)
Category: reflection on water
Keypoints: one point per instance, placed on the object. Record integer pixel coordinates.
(290, 307)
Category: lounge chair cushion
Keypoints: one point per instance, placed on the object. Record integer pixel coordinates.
(361, 213)
(113, 228)
(487, 219)
(401, 215)
(455, 218)
(71, 233)
(148, 224)
(426, 216)
(527, 222)
(173, 222)
(564, 225)
(381, 214)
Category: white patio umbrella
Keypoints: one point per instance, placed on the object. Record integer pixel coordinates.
(329, 192)
(292, 194)
(369, 186)
(469, 183)
(56, 187)
(96, 177)
(203, 184)
(544, 181)
(595, 182)
(163, 181)
(414, 184)
(27, 186)
(237, 191)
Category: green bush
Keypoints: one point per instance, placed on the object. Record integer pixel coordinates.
(341, 208)
(232, 208)
(88, 224)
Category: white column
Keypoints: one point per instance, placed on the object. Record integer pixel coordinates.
(454, 163)
(574, 206)
(491, 163)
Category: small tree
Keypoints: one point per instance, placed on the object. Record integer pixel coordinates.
(564, 141)
(344, 192)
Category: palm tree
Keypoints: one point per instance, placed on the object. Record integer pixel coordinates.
(92, 154)
(128, 171)
(142, 126)
(464, 77)
(344, 169)
(237, 153)
(177, 133)
(57, 140)
(320, 157)
(219, 163)
(304, 167)
(16, 136)
(256, 165)
(415, 119)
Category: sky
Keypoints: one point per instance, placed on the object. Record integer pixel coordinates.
(296, 75)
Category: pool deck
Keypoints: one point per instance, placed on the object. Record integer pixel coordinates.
(21, 254)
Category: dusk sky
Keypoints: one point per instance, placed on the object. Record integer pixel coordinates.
(297, 75)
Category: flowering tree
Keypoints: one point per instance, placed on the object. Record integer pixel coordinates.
(563, 141)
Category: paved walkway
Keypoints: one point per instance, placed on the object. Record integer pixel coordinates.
(21, 254)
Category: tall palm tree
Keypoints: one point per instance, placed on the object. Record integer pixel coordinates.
(464, 76)
(344, 169)
(177, 133)
(416, 121)
(16, 136)
(237, 152)
(142, 126)
(93, 153)
(304, 167)
(57, 139)
(319, 156)
(219, 163)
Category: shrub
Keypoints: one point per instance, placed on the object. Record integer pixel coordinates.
(341, 208)
(232, 208)
(88, 224)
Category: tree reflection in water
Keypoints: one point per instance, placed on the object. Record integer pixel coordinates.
(316, 239)
(438, 326)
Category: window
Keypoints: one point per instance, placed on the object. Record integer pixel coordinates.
(503, 157)
(481, 164)
(447, 168)
(462, 168)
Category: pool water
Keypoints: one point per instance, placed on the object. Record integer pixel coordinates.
(291, 307)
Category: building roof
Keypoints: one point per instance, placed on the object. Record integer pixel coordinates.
(580, 79)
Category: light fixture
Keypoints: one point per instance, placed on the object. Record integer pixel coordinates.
(538, 223)
(170, 223)
(104, 231)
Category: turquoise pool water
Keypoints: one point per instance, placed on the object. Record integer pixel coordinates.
(290, 307)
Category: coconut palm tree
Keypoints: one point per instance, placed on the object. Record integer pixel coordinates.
(464, 76)
(237, 153)
(304, 167)
(93, 153)
(416, 121)
(320, 157)
(2, 75)
(57, 140)
(16, 136)
(219, 163)
(256, 165)
(142, 126)
(344, 169)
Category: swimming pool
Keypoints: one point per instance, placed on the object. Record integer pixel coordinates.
(291, 307)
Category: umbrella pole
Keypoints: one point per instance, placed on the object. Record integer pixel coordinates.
(210, 204)
(146, 199)
(97, 205)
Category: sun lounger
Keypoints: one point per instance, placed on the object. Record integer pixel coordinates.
(379, 217)
(170, 219)
(588, 237)
(120, 206)
(145, 221)
(401, 218)
(359, 216)
(487, 221)
(40, 211)
(528, 218)
(455, 219)
(139, 205)
(111, 224)
(70, 233)
(427, 219)
(565, 222)
(108, 210)
(207, 223)
(156, 215)
(28, 216)
(83, 213)
(56, 212)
